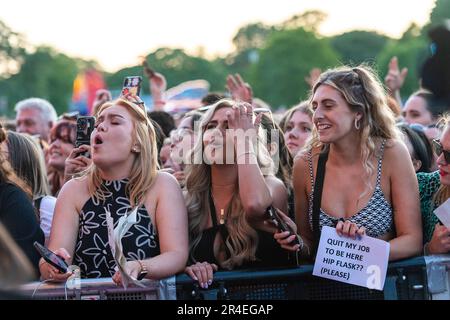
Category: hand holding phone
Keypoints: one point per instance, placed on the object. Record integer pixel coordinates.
(273, 215)
(51, 258)
(85, 126)
(132, 85)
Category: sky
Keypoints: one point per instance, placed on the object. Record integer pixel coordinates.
(116, 33)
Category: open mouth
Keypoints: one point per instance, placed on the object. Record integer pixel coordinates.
(98, 140)
(323, 126)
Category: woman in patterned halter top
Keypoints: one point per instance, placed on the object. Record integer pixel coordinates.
(122, 182)
(369, 186)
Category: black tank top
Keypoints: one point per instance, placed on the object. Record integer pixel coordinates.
(269, 254)
(92, 251)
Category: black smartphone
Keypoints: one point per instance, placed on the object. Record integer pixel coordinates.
(51, 258)
(85, 126)
(272, 213)
(132, 85)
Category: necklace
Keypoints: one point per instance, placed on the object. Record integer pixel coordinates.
(222, 216)
(222, 211)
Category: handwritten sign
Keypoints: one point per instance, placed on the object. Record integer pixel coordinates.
(443, 213)
(362, 262)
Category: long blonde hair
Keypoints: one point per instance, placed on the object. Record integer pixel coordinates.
(364, 93)
(144, 169)
(243, 238)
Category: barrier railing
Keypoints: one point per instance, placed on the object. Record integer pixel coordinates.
(406, 280)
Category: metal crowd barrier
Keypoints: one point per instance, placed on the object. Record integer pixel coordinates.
(406, 280)
(94, 289)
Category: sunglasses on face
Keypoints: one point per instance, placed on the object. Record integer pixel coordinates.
(439, 150)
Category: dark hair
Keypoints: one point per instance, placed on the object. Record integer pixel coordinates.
(65, 131)
(160, 136)
(422, 149)
(434, 106)
(212, 98)
(164, 120)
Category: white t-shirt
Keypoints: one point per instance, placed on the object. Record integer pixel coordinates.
(46, 211)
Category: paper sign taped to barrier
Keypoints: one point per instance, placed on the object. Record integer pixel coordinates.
(362, 262)
(443, 213)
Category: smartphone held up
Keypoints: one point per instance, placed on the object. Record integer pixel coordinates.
(132, 85)
(85, 126)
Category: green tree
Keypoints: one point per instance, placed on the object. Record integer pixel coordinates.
(279, 76)
(247, 41)
(359, 46)
(440, 12)
(12, 50)
(46, 74)
(308, 20)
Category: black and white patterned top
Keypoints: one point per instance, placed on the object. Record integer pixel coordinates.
(376, 216)
(92, 251)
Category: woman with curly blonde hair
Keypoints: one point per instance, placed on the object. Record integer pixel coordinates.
(121, 190)
(369, 184)
(229, 187)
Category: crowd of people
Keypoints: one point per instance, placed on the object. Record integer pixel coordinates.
(191, 194)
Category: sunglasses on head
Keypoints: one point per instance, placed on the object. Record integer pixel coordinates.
(439, 150)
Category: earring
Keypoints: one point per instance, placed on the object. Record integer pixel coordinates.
(357, 124)
(135, 150)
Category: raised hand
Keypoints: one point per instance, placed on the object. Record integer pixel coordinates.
(239, 90)
(76, 163)
(395, 78)
(158, 84)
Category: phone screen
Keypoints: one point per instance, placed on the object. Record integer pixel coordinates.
(132, 85)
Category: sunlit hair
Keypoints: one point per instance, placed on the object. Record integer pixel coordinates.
(27, 159)
(364, 93)
(7, 174)
(443, 192)
(243, 239)
(144, 169)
